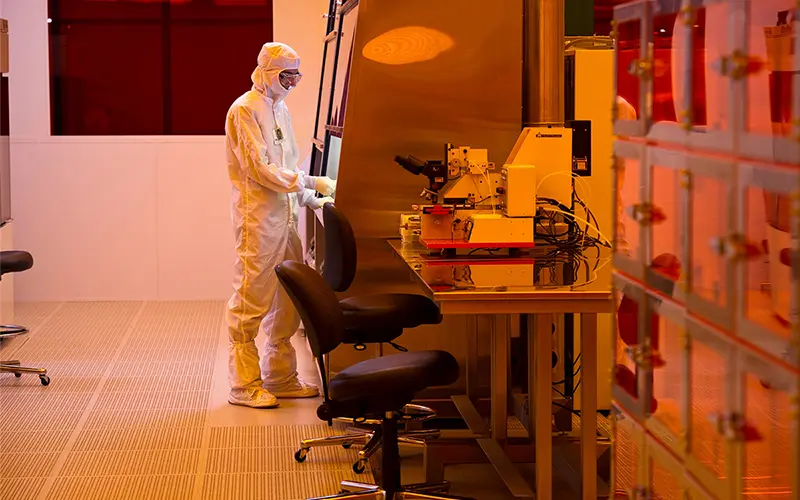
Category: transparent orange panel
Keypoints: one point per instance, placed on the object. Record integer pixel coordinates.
(668, 229)
(711, 207)
(708, 379)
(628, 52)
(629, 183)
(665, 485)
(768, 280)
(627, 339)
(667, 373)
(668, 68)
(770, 47)
(767, 456)
(710, 89)
(626, 460)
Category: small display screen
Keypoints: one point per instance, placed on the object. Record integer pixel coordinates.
(334, 154)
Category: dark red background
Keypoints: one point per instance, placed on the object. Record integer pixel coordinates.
(125, 67)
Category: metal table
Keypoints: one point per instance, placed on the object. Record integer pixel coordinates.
(501, 288)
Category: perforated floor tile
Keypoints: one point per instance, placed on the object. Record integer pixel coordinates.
(268, 436)
(139, 439)
(133, 401)
(41, 441)
(130, 462)
(272, 486)
(145, 419)
(26, 488)
(123, 488)
(127, 414)
(249, 460)
(26, 464)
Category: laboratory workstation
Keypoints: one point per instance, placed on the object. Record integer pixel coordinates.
(362, 249)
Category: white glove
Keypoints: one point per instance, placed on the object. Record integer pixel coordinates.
(318, 203)
(324, 185)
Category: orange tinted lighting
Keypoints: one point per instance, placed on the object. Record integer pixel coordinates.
(408, 45)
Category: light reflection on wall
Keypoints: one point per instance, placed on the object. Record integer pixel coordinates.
(408, 45)
(222, 3)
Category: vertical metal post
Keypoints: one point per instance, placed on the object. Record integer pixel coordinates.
(589, 406)
(541, 410)
(543, 62)
(499, 397)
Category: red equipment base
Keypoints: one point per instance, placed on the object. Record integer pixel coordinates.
(453, 244)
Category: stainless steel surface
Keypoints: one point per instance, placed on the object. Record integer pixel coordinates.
(416, 495)
(506, 469)
(471, 416)
(472, 372)
(544, 61)
(9, 331)
(15, 366)
(498, 302)
(541, 414)
(353, 490)
(588, 290)
(501, 355)
(375, 494)
(589, 407)
(416, 109)
(346, 440)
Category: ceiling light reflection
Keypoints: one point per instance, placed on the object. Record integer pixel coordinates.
(408, 45)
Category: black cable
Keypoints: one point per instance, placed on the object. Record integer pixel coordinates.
(490, 250)
(574, 412)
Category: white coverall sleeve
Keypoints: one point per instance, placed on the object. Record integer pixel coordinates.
(306, 197)
(249, 153)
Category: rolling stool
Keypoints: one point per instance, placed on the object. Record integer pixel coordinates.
(369, 319)
(377, 389)
(16, 261)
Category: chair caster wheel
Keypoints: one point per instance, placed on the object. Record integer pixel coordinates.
(359, 467)
(44, 379)
(18, 375)
(347, 446)
(301, 455)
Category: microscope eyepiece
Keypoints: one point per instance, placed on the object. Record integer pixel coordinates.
(410, 163)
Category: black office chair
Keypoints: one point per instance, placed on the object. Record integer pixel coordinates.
(376, 389)
(369, 319)
(15, 261)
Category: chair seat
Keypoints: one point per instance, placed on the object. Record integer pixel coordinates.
(390, 382)
(15, 261)
(390, 310)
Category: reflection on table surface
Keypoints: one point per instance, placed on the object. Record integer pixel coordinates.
(543, 270)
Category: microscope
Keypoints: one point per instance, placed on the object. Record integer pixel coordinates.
(471, 204)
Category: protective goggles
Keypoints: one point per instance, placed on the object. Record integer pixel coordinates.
(289, 80)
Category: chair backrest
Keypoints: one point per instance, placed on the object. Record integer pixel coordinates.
(316, 303)
(340, 249)
(319, 309)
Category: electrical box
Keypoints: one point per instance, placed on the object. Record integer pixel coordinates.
(518, 190)
(549, 149)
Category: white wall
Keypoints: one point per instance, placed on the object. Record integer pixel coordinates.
(128, 218)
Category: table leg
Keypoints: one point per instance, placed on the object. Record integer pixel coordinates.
(589, 406)
(473, 382)
(541, 411)
(499, 393)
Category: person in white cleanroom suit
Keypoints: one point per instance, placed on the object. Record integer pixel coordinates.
(267, 190)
